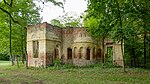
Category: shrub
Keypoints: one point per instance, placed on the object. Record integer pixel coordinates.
(57, 62)
(4, 56)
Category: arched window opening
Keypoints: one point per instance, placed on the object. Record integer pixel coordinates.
(56, 53)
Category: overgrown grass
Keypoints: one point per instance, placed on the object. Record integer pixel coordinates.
(69, 74)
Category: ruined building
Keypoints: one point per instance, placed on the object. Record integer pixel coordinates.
(45, 43)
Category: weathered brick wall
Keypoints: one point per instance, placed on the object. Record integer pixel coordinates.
(76, 32)
(53, 41)
(69, 35)
(118, 60)
(67, 41)
(36, 32)
(56, 30)
(53, 37)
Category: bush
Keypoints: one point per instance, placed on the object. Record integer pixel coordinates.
(57, 62)
(4, 56)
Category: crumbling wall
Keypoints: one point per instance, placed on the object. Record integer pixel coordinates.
(36, 33)
(52, 38)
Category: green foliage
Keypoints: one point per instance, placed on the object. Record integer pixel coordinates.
(56, 22)
(55, 2)
(122, 19)
(68, 20)
(93, 30)
(57, 63)
(136, 17)
(99, 19)
(4, 56)
(21, 13)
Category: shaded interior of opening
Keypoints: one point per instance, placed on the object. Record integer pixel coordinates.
(69, 53)
(35, 49)
(88, 53)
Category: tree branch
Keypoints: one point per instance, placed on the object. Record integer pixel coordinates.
(10, 15)
(9, 4)
(6, 3)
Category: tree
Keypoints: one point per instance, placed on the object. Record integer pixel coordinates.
(68, 20)
(99, 21)
(120, 32)
(130, 22)
(138, 12)
(21, 13)
(56, 22)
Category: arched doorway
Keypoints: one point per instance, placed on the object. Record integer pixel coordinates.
(56, 53)
(94, 53)
(88, 53)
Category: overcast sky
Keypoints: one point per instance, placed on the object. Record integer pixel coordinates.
(51, 12)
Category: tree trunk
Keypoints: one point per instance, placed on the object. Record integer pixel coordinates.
(22, 45)
(122, 34)
(26, 55)
(122, 55)
(133, 55)
(10, 29)
(17, 61)
(134, 58)
(144, 48)
(102, 54)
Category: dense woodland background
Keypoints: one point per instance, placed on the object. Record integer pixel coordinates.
(125, 21)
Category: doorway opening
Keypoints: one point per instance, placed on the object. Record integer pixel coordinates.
(109, 54)
(88, 53)
(69, 53)
(98, 56)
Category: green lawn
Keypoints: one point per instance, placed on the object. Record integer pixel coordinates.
(94, 75)
(5, 63)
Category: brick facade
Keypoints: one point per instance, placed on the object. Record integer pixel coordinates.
(72, 45)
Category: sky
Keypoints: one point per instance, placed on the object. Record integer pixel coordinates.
(52, 12)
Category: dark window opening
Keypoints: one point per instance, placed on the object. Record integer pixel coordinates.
(109, 43)
(35, 49)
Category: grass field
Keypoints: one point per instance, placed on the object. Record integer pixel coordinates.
(5, 63)
(90, 75)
